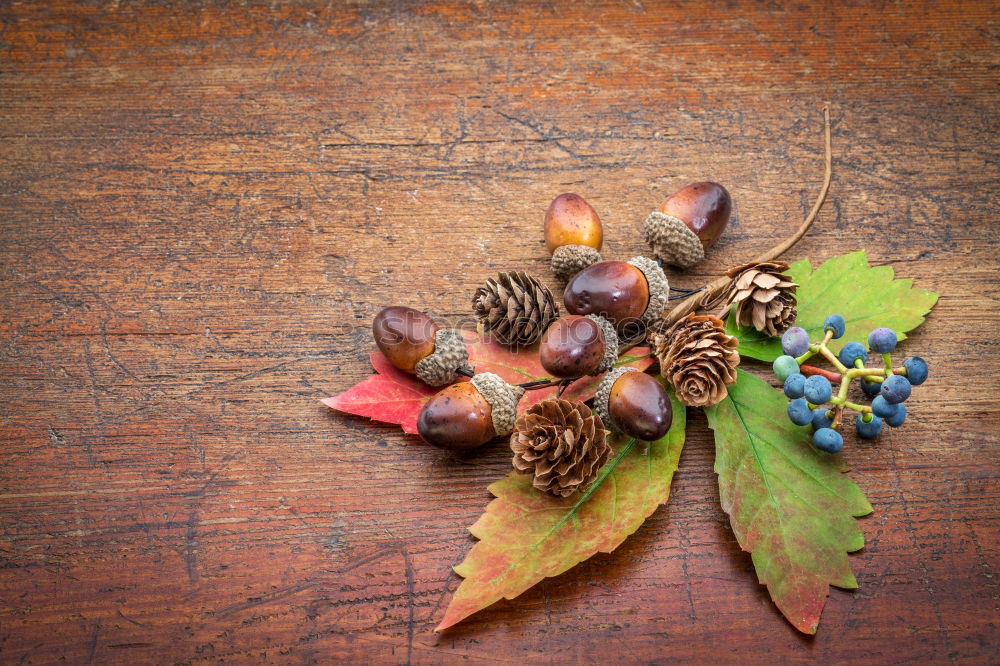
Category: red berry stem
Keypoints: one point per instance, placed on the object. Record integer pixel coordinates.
(809, 370)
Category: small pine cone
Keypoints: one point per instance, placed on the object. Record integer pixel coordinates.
(562, 443)
(515, 307)
(568, 260)
(698, 359)
(763, 295)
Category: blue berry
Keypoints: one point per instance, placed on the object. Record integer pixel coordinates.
(897, 419)
(895, 389)
(868, 429)
(821, 418)
(916, 370)
(795, 385)
(817, 389)
(828, 439)
(799, 412)
(871, 389)
(882, 407)
(795, 341)
(784, 366)
(882, 340)
(852, 351)
(837, 323)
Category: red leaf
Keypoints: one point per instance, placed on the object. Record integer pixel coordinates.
(394, 396)
(391, 396)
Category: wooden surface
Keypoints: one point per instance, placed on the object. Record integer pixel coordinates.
(203, 206)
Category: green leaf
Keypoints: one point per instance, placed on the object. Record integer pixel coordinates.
(789, 504)
(866, 296)
(526, 535)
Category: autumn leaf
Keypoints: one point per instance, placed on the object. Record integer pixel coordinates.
(394, 396)
(526, 535)
(789, 504)
(866, 296)
(390, 396)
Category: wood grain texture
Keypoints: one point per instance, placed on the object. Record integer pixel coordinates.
(203, 205)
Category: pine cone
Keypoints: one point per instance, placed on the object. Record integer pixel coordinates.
(763, 295)
(698, 359)
(515, 307)
(562, 443)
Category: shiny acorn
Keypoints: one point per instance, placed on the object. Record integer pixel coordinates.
(404, 335)
(570, 220)
(688, 222)
(468, 414)
(615, 290)
(624, 293)
(412, 342)
(573, 346)
(457, 418)
(634, 403)
(704, 207)
(573, 235)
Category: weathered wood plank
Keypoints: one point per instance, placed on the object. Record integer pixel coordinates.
(202, 206)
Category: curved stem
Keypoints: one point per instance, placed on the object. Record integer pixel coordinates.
(713, 289)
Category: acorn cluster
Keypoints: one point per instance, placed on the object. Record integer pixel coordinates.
(811, 389)
(609, 306)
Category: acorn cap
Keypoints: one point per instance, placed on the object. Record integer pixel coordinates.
(438, 368)
(503, 399)
(568, 260)
(659, 288)
(610, 343)
(672, 240)
(604, 393)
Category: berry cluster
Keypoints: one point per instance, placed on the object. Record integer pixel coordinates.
(811, 388)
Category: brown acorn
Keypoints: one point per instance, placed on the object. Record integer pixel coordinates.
(639, 406)
(457, 418)
(704, 207)
(615, 290)
(573, 346)
(687, 223)
(412, 342)
(572, 221)
(404, 335)
(469, 414)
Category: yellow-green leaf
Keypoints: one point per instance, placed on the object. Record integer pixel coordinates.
(526, 535)
(866, 296)
(789, 504)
